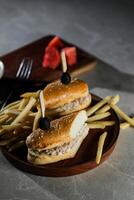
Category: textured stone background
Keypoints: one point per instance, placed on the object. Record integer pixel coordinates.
(106, 29)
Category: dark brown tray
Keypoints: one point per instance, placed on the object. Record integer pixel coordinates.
(35, 50)
(82, 162)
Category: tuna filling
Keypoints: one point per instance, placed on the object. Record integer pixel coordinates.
(59, 150)
(69, 106)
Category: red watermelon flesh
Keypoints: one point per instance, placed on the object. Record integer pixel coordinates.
(71, 55)
(51, 58)
(55, 42)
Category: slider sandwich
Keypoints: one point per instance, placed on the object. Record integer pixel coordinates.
(61, 141)
(62, 99)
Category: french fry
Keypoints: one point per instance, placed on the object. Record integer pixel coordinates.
(103, 123)
(11, 106)
(25, 111)
(29, 119)
(122, 114)
(26, 127)
(11, 127)
(23, 103)
(30, 94)
(125, 125)
(2, 120)
(103, 109)
(14, 107)
(96, 126)
(10, 117)
(93, 109)
(12, 112)
(100, 147)
(107, 123)
(115, 100)
(32, 114)
(36, 119)
(98, 116)
(2, 115)
(9, 120)
(17, 112)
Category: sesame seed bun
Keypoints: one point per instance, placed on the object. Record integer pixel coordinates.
(62, 130)
(57, 95)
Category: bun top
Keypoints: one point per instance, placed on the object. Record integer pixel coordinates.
(57, 94)
(62, 130)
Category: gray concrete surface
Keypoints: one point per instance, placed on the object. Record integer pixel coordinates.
(113, 180)
(106, 29)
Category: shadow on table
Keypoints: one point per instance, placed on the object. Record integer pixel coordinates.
(106, 76)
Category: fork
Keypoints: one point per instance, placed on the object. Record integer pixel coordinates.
(23, 74)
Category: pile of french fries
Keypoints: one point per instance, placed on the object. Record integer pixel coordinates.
(20, 118)
(99, 112)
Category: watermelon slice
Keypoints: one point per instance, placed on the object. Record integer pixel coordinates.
(71, 55)
(55, 42)
(51, 58)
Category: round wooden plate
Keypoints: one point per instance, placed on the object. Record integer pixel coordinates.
(84, 159)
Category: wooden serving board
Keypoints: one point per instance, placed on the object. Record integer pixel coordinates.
(82, 162)
(35, 50)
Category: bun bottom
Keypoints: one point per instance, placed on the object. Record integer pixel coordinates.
(47, 159)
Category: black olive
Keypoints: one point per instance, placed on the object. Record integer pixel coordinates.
(65, 78)
(44, 123)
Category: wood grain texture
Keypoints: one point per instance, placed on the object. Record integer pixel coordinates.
(35, 50)
(82, 162)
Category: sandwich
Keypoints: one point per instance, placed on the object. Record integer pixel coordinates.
(64, 99)
(60, 142)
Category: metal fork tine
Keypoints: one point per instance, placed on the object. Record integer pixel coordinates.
(30, 69)
(21, 75)
(20, 68)
(23, 72)
(27, 69)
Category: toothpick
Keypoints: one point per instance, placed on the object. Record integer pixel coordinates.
(42, 103)
(64, 62)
